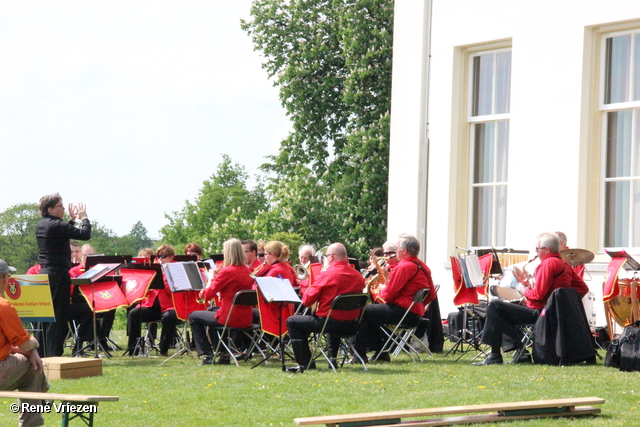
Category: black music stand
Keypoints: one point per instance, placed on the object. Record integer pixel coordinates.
(277, 290)
(183, 277)
(92, 275)
(156, 283)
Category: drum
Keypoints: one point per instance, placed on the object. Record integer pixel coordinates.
(623, 308)
(504, 293)
(588, 302)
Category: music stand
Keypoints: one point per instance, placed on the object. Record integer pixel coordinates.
(277, 290)
(91, 276)
(183, 277)
(156, 283)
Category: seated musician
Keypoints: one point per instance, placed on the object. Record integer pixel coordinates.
(234, 276)
(304, 255)
(339, 278)
(551, 274)
(79, 310)
(277, 257)
(389, 251)
(374, 254)
(157, 306)
(405, 280)
(261, 251)
(250, 249)
(194, 249)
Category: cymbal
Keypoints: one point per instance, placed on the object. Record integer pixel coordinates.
(577, 256)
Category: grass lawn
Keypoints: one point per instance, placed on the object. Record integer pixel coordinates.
(179, 393)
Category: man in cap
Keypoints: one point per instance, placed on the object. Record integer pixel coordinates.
(20, 365)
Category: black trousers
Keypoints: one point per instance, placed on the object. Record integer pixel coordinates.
(55, 333)
(503, 317)
(139, 314)
(199, 321)
(375, 315)
(301, 326)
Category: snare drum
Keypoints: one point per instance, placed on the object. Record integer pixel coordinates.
(588, 301)
(504, 293)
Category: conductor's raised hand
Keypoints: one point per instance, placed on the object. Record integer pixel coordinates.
(73, 214)
(81, 211)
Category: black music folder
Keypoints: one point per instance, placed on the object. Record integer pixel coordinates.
(275, 289)
(183, 276)
(98, 271)
(631, 263)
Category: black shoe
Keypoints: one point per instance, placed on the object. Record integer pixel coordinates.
(208, 360)
(225, 359)
(355, 361)
(383, 357)
(301, 368)
(493, 359)
(525, 357)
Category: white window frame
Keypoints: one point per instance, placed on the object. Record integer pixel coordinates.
(471, 122)
(604, 110)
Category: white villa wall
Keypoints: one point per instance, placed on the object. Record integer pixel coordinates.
(552, 104)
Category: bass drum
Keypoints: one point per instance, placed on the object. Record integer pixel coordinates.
(623, 308)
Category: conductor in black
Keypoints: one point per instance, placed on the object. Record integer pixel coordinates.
(53, 235)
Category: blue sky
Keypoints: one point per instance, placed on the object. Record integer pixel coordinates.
(128, 106)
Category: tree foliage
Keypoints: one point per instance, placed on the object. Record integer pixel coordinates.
(224, 208)
(332, 63)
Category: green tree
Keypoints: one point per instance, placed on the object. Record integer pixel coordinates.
(224, 208)
(331, 60)
(18, 244)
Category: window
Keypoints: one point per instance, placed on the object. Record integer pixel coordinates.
(489, 146)
(621, 117)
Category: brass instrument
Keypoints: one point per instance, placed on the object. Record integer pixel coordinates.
(522, 275)
(258, 269)
(376, 283)
(302, 271)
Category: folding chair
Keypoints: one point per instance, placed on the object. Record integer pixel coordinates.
(246, 298)
(355, 301)
(399, 335)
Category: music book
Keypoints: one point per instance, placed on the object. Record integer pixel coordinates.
(183, 276)
(98, 271)
(471, 271)
(275, 289)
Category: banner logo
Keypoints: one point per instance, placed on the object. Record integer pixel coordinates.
(13, 289)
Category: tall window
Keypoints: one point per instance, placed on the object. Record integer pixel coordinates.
(621, 116)
(489, 121)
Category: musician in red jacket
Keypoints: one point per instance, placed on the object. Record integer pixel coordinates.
(408, 277)
(157, 306)
(234, 276)
(551, 274)
(339, 278)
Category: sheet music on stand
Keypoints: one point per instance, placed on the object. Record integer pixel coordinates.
(277, 290)
(630, 264)
(96, 272)
(183, 276)
(471, 271)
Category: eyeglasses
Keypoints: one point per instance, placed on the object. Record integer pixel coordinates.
(539, 248)
(330, 255)
(162, 256)
(59, 206)
(388, 253)
(261, 255)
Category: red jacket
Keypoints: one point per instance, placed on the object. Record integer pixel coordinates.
(228, 282)
(282, 270)
(338, 279)
(164, 295)
(405, 280)
(551, 274)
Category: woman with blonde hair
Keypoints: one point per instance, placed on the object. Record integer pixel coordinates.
(277, 256)
(234, 276)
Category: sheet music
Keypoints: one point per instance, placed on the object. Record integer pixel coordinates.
(471, 271)
(277, 290)
(98, 271)
(181, 277)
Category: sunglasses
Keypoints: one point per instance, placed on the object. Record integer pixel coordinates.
(162, 256)
(260, 255)
(387, 253)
